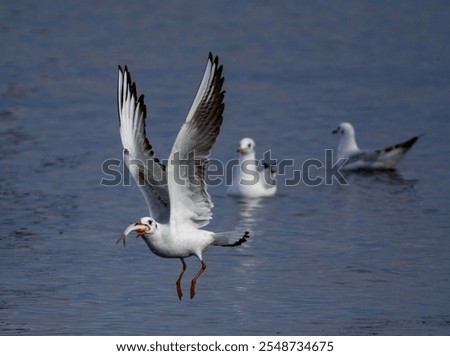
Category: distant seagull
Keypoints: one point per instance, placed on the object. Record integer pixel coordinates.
(357, 159)
(176, 196)
(247, 181)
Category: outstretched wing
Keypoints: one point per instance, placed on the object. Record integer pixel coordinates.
(190, 201)
(138, 155)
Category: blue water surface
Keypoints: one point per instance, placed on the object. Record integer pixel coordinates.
(370, 257)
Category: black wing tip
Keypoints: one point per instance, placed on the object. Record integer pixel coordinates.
(124, 70)
(131, 87)
(130, 84)
(142, 106)
(215, 61)
(408, 144)
(212, 58)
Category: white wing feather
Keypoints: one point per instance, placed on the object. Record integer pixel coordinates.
(148, 173)
(190, 201)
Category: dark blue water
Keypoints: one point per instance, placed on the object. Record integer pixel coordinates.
(368, 258)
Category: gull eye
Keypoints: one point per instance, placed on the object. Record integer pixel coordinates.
(150, 222)
(249, 145)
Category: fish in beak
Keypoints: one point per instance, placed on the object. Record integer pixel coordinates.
(141, 230)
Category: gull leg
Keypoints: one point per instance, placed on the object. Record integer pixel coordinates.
(194, 281)
(179, 291)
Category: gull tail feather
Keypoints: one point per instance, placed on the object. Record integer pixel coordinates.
(225, 240)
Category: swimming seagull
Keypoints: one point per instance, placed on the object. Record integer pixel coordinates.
(176, 195)
(357, 159)
(247, 181)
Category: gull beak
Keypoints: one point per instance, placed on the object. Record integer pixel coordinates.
(335, 131)
(240, 150)
(141, 230)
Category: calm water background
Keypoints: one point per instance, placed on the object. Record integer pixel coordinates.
(369, 258)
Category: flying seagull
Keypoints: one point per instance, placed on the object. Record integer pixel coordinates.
(357, 159)
(176, 195)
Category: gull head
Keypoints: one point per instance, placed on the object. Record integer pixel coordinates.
(145, 226)
(347, 143)
(345, 129)
(246, 146)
